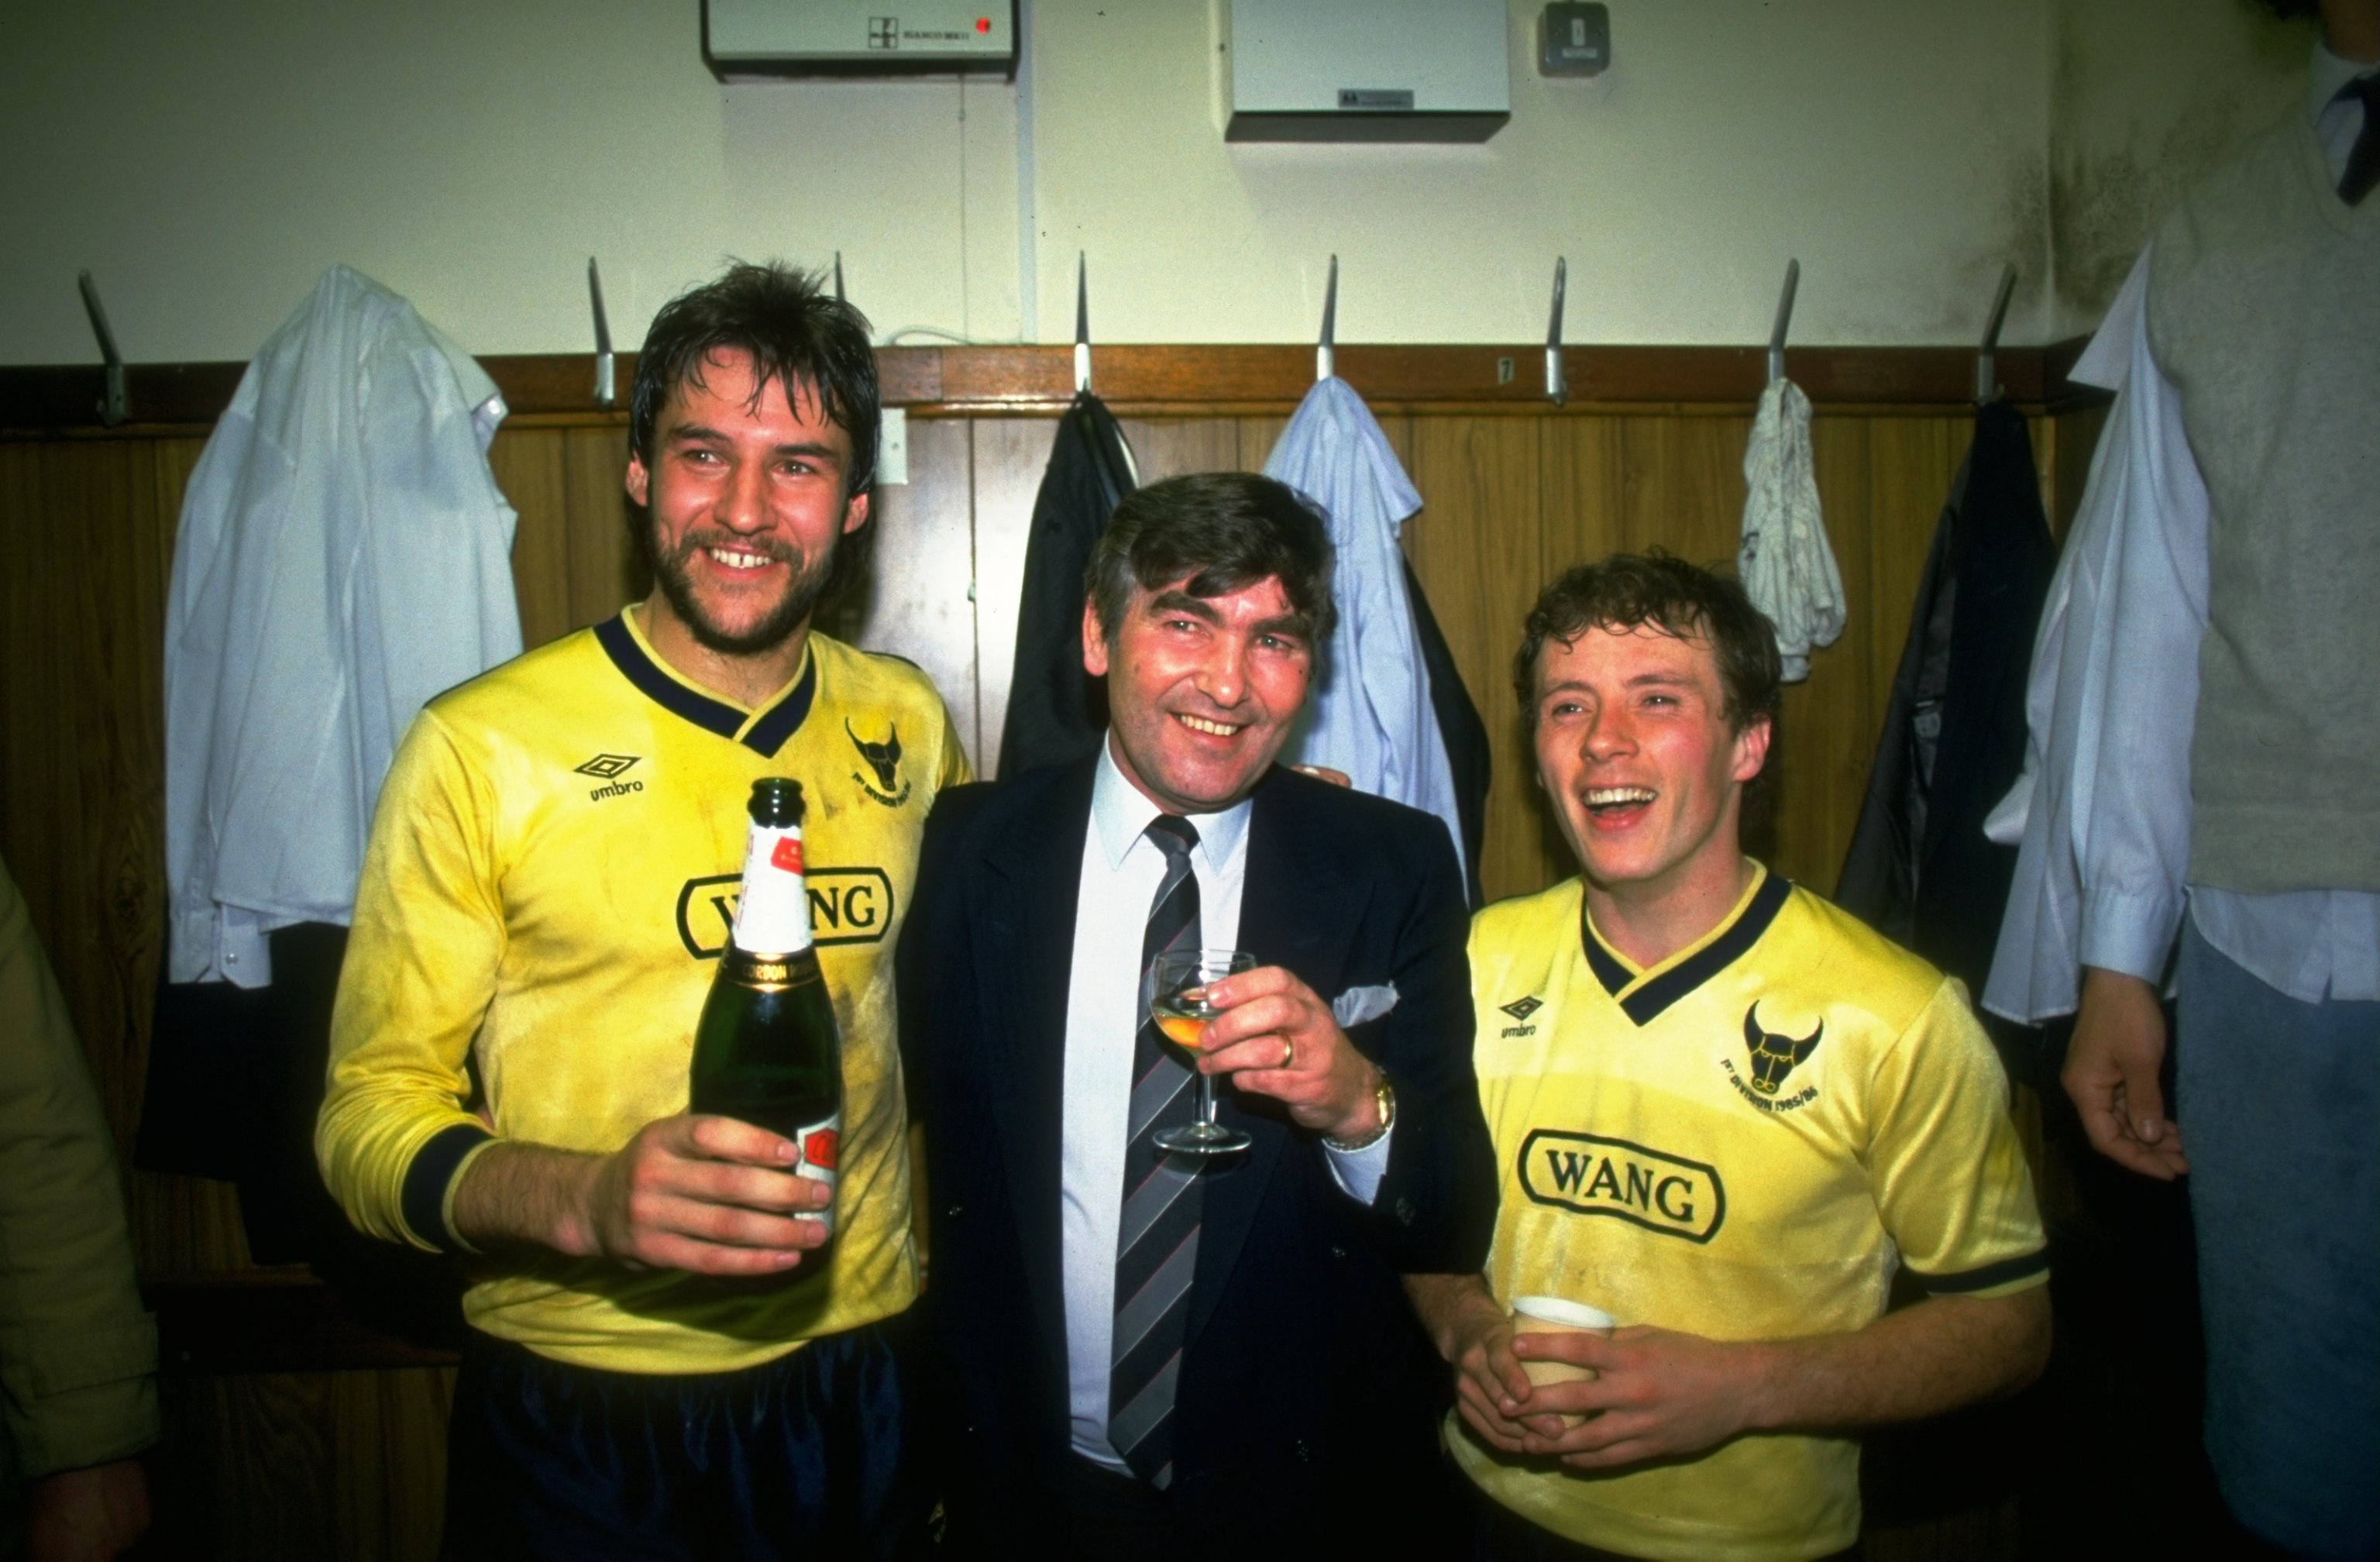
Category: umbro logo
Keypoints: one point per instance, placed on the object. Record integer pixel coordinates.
(610, 768)
(1520, 1008)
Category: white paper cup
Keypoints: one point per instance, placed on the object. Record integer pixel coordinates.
(1558, 1315)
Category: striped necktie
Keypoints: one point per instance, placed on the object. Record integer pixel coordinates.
(2363, 161)
(1157, 1240)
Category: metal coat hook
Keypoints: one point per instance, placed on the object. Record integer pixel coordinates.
(1082, 325)
(1784, 321)
(1987, 382)
(604, 397)
(1324, 349)
(838, 278)
(1557, 387)
(113, 407)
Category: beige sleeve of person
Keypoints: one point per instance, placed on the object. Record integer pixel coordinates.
(77, 1354)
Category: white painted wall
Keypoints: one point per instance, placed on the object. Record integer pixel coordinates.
(206, 162)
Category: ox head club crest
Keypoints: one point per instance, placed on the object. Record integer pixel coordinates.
(883, 757)
(1775, 1057)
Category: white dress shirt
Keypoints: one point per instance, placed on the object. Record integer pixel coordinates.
(1122, 869)
(2101, 817)
(1370, 717)
(344, 554)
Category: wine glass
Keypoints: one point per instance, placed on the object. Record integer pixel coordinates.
(1178, 1004)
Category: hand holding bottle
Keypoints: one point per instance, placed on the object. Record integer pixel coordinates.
(707, 1194)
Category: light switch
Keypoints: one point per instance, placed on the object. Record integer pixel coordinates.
(1575, 40)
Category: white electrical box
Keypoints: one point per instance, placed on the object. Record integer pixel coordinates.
(1368, 70)
(753, 38)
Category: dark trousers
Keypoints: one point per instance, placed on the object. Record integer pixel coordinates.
(806, 1456)
(1498, 1534)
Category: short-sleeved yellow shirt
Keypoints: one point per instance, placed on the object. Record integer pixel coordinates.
(1743, 1142)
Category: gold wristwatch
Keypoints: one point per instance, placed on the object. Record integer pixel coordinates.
(1385, 1100)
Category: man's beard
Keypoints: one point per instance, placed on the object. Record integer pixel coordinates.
(802, 594)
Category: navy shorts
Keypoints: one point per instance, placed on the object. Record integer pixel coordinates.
(809, 1454)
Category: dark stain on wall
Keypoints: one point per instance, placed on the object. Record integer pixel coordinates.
(2108, 191)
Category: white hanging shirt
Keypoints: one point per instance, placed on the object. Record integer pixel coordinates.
(1784, 562)
(1370, 715)
(344, 554)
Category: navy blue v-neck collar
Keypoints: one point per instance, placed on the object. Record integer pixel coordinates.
(764, 734)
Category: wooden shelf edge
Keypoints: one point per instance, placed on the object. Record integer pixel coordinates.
(47, 401)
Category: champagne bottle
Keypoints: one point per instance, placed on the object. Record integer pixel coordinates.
(767, 1050)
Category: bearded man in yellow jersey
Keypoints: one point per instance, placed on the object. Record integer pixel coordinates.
(1724, 1113)
(661, 1364)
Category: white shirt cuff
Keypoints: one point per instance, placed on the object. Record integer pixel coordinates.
(2132, 933)
(1358, 1172)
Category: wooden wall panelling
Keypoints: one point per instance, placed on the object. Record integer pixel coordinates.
(86, 813)
(89, 526)
(387, 1445)
(573, 562)
(1826, 727)
(2074, 436)
(1259, 435)
(528, 467)
(1009, 455)
(604, 572)
(291, 1467)
(1477, 548)
(1163, 447)
(1683, 488)
(349, 1463)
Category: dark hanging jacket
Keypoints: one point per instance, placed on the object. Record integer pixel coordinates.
(1055, 711)
(1460, 728)
(1919, 869)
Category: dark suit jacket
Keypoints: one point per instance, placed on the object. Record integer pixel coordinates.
(1308, 1396)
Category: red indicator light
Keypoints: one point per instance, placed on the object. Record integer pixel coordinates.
(983, 24)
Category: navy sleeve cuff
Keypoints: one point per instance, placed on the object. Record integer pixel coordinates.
(2020, 1268)
(426, 1179)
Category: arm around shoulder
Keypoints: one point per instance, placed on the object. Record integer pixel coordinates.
(1437, 1205)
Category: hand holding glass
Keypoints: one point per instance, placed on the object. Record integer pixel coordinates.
(1178, 1002)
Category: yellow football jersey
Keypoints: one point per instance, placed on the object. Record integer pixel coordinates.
(552, 874)
(1741, 1143)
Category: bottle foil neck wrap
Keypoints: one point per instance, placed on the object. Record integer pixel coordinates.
(772, 914)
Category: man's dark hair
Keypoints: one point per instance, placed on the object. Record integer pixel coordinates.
(1224, 532)
(1660, 589)
(795, 333)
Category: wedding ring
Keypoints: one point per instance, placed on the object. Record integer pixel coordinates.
(1288, 1052)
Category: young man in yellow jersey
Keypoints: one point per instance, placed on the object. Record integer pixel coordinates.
(1724, 1111)
(660, 1365)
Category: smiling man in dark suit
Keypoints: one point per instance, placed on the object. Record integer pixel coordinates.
(1149, 1355)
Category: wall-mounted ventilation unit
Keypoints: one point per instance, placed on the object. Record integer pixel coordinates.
(1368, 70)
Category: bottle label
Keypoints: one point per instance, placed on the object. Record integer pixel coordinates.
(819, 1144)
(772, 916)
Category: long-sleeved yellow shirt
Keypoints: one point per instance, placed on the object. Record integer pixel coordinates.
(552, 870)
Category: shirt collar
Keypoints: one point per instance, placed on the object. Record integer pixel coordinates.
(2327, 76)
(1120, 813)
